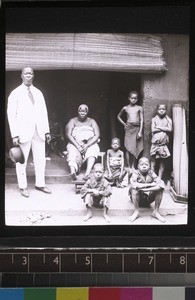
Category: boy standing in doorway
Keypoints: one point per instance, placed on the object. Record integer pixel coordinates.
(133, 140)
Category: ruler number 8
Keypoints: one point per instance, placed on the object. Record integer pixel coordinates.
(182, 260)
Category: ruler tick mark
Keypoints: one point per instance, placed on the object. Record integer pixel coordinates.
(28, 263)
(75, 258)
(44, 258)
(12, 258)
(138, 258)
(107, 258)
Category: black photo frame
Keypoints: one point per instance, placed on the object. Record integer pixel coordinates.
(99, 17)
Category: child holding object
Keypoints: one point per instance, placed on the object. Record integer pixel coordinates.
(115, 164)
(133, 126)
(161, 126)
(96, 192)
(146, 184)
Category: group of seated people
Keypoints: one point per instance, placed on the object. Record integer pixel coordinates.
(83, 136)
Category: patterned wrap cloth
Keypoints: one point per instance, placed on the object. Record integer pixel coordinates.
(160, 139)
(131, 142)
(82, 134)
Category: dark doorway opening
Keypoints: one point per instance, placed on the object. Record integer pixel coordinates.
(104, 92)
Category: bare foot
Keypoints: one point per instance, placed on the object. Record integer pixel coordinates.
(156, 215)
(134, 216)
(87, 217)
(107, 218)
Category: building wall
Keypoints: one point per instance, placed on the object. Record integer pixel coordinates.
(171, 86)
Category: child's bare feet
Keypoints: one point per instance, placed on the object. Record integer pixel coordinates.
(107, 218)
(87, 217)
(156, 215)
(134, 216)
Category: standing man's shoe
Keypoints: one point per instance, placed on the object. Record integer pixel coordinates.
(43, 189)
(24, 192)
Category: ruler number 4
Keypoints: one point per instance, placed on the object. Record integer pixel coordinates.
(56, 260)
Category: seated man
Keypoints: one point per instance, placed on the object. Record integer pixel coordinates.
(83, 134)
(145, 182)
(57, 143)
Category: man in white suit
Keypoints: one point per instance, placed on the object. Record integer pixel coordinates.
(29, 127)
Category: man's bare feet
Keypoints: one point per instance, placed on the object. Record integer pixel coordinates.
(134, 216)
(73, 176)
(156, 215)
(87, 217)
(107, 218)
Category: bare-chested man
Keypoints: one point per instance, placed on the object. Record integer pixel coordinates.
(133, 140)
(83, 134)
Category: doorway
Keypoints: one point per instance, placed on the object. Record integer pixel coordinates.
(104, 92)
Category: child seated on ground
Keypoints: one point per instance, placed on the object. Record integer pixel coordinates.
(96, 192)
(145, 184)
(115, 164)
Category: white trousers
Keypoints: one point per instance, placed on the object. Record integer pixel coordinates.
(38, 151)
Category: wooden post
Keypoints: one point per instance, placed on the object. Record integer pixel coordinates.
(177, 141)
(184, 161)
(180, 154)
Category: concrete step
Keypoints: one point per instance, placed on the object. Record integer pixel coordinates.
(56, 171)
(64, 204)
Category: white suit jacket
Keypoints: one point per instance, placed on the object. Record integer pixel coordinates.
(24, 117)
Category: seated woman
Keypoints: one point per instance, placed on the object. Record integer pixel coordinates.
(83, 134)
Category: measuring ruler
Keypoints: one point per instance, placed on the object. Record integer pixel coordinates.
(97, 260)
(77, 267)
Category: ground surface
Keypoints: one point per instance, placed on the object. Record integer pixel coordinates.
(65, 207)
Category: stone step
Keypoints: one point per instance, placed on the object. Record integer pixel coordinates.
(65, 204)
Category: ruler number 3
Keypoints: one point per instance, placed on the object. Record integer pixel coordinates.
(24, 260)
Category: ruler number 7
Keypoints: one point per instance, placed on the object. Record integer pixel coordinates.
(151, 259)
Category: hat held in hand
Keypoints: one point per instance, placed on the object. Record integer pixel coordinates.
(16, 155)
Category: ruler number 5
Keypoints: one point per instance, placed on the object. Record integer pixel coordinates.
(87, 260)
